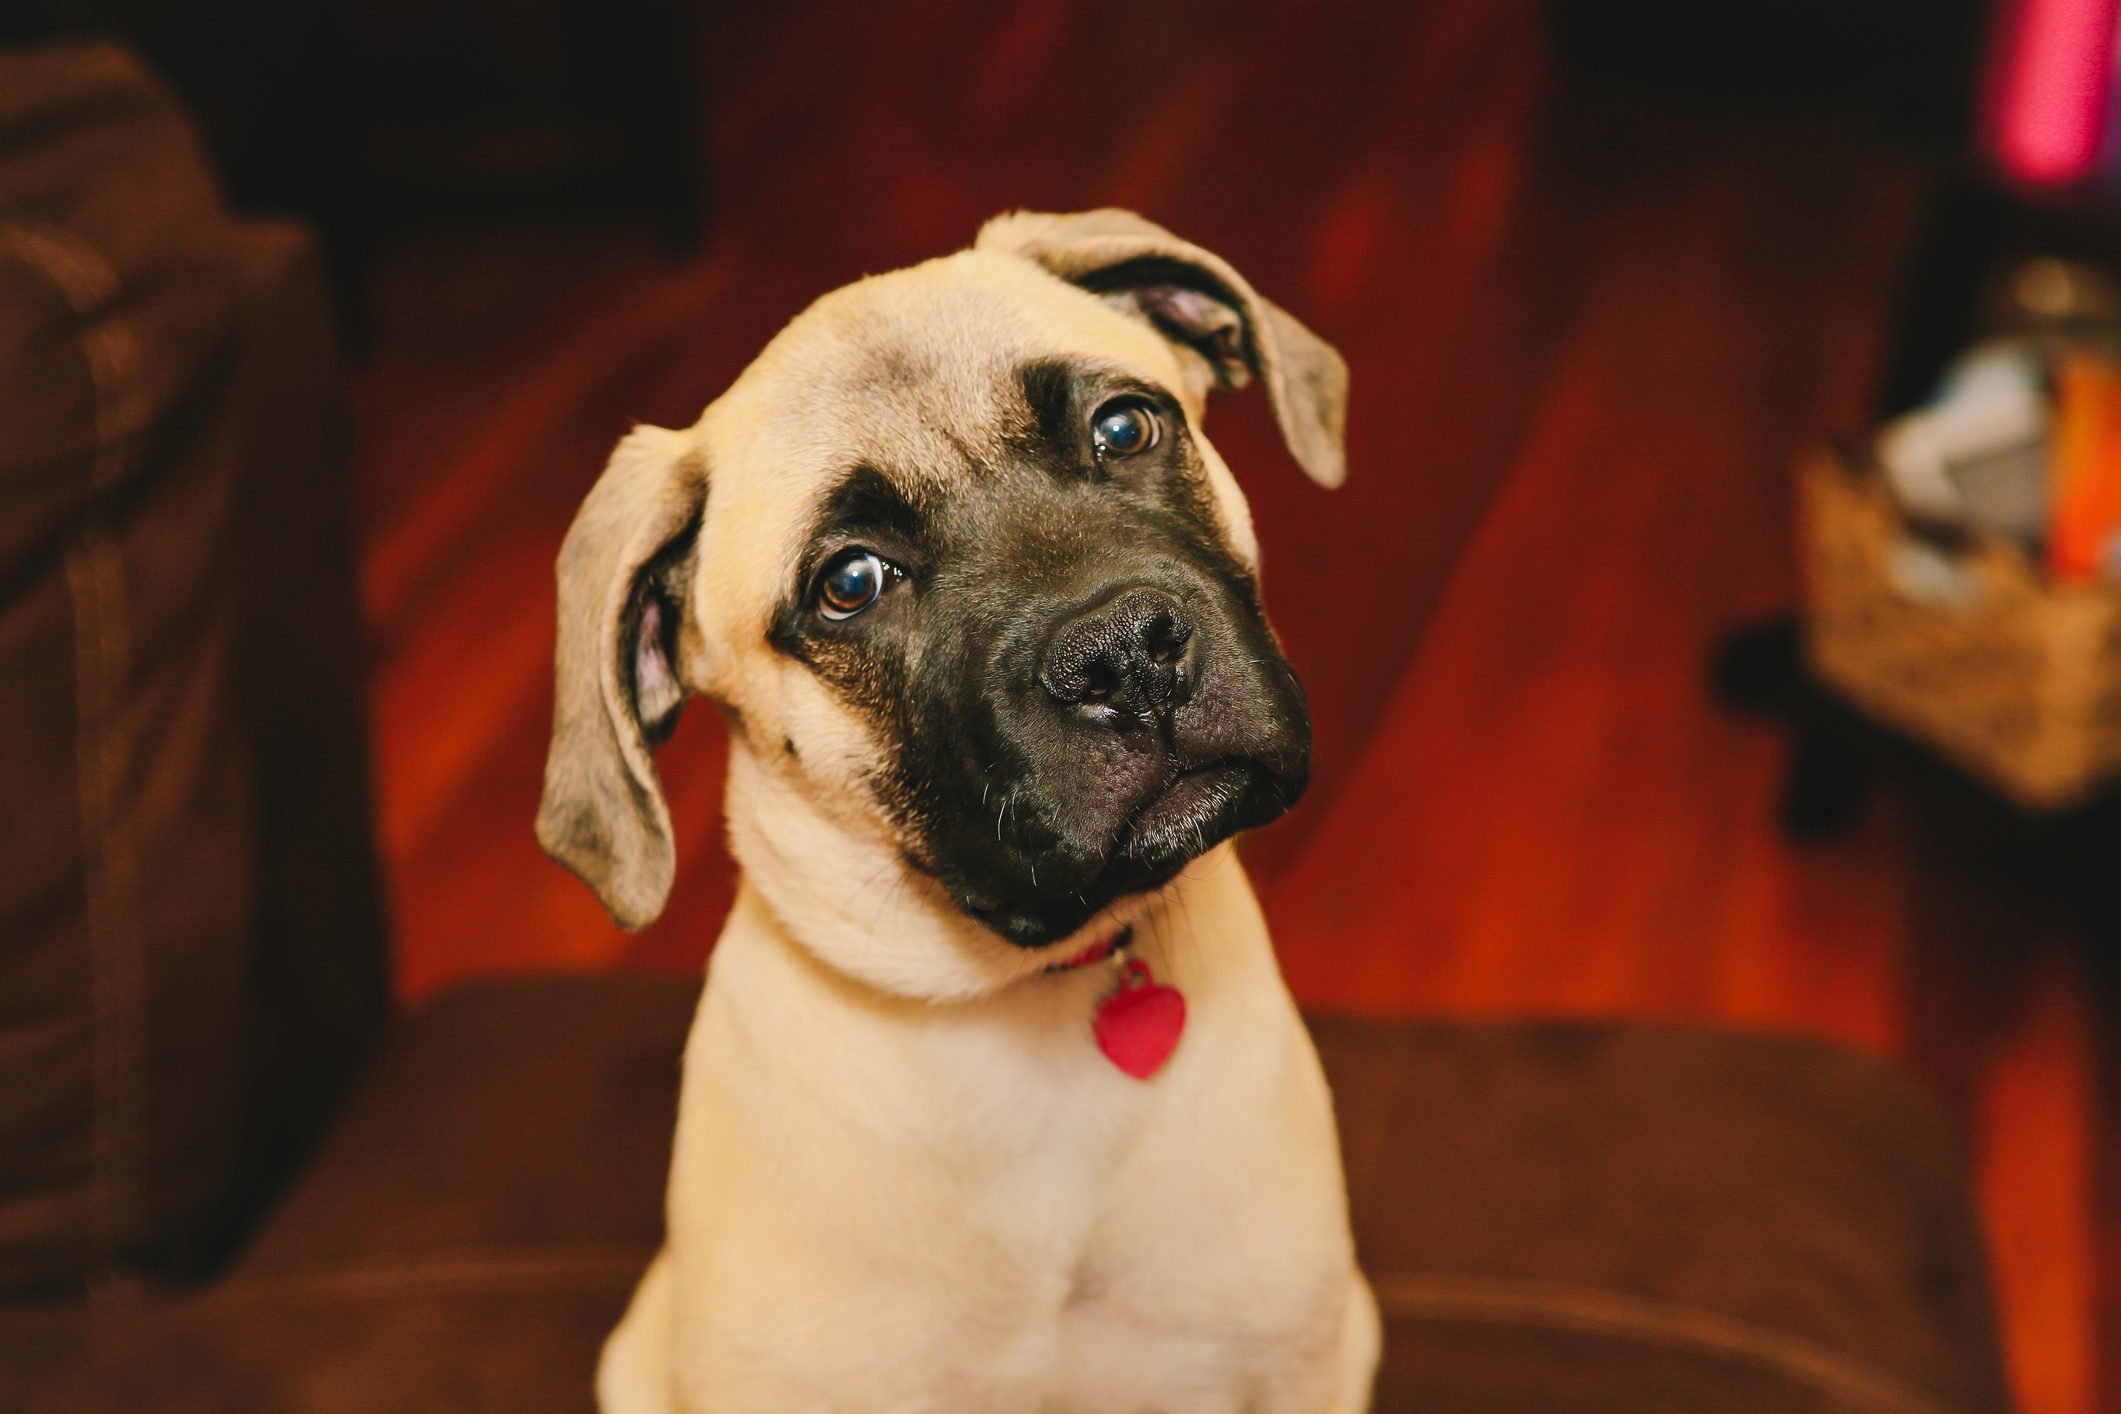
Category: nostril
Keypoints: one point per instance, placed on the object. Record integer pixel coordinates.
(1100, 682)
(1164, 637)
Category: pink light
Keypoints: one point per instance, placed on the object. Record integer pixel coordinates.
(2048, 91)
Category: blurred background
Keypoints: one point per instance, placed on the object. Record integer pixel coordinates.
(1607, 272)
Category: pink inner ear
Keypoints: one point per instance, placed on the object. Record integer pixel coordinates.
(1199, 319)
(656, 691)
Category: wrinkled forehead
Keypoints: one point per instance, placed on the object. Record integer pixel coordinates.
(918, 371)
(917, 375)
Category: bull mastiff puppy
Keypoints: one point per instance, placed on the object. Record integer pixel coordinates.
(995, 1099)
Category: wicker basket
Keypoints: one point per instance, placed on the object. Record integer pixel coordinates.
(1973, 654)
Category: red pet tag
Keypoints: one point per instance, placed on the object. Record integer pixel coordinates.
(1137, 1026)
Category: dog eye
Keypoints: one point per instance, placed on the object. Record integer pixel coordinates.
(852, 583)
(1125, 427)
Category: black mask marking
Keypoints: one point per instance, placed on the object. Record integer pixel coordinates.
(1075, 684)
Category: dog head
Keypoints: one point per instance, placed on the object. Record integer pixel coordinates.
(977, 597)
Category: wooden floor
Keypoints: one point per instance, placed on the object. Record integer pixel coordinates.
(1589, 331)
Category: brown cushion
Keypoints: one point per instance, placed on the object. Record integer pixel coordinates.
(164, 371)
(1617, 1217)
(1555, 1217)
(126, 832)
(464, 1241)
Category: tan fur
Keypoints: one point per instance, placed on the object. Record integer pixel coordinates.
(905, 1178)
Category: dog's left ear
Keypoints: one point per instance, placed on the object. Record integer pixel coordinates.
(1197, 300)
(625, 584)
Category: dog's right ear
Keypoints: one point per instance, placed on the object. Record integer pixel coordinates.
(625, 576)
(1193, 297)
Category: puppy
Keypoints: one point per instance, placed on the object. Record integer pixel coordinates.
(995, 1099)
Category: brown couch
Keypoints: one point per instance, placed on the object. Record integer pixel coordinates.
(229, 1182)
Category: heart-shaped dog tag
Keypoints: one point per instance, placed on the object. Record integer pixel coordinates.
(1137, 1026)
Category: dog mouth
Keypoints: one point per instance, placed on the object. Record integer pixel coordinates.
(1189, 814)
(1181, 813)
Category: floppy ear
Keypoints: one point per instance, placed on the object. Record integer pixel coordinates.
(1196, 299)
(625, 576)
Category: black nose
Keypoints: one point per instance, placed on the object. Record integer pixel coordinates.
(1127, 653)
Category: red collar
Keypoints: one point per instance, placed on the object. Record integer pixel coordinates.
(1097, 952)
